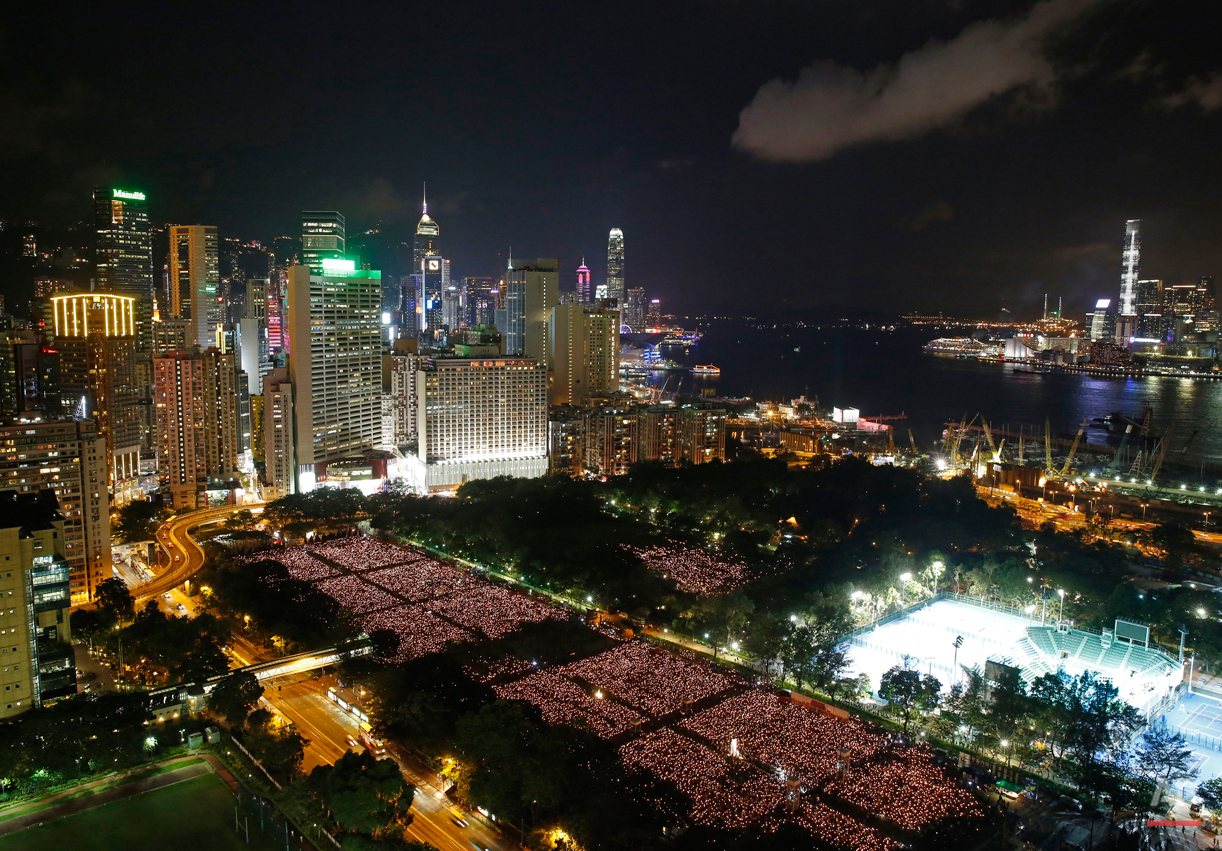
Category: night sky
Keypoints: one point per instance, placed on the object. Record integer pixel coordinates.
(759, 155)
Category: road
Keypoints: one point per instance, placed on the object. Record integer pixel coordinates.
(304, 702)
(185, 556)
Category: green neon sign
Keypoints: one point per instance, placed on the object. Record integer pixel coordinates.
(131, 196)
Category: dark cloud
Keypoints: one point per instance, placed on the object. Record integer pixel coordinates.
(831, 107)
(1205, 92)
(938, 211)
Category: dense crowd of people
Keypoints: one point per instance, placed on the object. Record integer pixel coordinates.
(299, 563)
(650, 680)
(355, 594)
(835, 828)
(420, 633)
(417, 581)
(723, 795)
(501, 667)
(694, 570)
(561, 701)
(362, 552)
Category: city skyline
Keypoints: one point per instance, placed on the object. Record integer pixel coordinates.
(903, 210)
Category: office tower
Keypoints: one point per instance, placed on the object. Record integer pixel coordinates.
(276, 299)
(653, 314)
(1102, 322)
(583, 353)
(452, 307)
(634, 309)
(94, 334)
(250, 342)
(256, 298)
(615, 266)
(197, 424)
(584, 296)
(427, 242)
(322, 238)
(1206, 311)
(399, 367)
(481, 300)
(195, 274)
(1130, 272)
(279, 457)
(430, 310)
(37, 651)
(335, 364)
(124, 258)
(478, 419)
(68, 457)
(531, 293)
(1149, 308)
(29, 376)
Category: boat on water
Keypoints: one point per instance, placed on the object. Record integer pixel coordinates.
(962, 346)
(705, 369)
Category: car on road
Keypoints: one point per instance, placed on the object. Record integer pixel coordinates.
(354, 744)
(460, 821)
(177, 558)
(181, 608)
(168, 595)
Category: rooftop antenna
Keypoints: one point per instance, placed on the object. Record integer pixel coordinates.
(511, 257)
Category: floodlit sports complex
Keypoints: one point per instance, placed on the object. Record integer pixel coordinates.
(929, 635)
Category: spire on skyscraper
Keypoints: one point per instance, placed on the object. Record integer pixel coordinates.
(426, 198)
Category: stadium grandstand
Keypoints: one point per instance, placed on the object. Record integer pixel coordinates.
(954, 631)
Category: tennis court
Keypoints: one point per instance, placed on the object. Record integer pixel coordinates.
(1199, 719)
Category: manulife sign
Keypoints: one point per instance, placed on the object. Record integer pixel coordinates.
(130, 196)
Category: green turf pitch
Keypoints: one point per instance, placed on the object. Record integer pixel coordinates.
(195, 814)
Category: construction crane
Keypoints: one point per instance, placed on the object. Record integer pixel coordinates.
(1162, 450)
(1047, 446)
(1073, 450)
(912, 440)
(1124, 441)
(994, 452)
(954, 437)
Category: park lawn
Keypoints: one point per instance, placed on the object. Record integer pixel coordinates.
(196, 813)
(26, 807)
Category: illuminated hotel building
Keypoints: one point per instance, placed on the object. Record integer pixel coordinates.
(124, 261)
(478, 418)
(195, 277)
(335, 363)
(1127, 318)
(94, 334)
(615, 265)
(68, 457)
(322, 238)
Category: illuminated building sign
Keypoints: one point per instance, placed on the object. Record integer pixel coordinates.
(332, 266)
(434, 265)
(130, 196)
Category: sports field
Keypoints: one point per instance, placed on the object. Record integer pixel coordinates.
(196, 813)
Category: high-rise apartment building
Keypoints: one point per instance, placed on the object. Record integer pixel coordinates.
(532, 290)
(196, 429)
(95, 337)
(29, 376)
(68, 457)
(399, 368)
(615, 266)
(335, 364)
(615, 437)
(195, 277)
(653, 313)
(322, 238)
(36, 656)
(1127, 316)
(478, 418)
(124, 258)
(583, 353)
(279, 457)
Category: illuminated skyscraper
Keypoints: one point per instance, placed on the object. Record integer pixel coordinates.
(124, 260)
(335, 364)
(1131, 271)
(633, 310)
(428, 237)
(481, 301)
(322, 238)
(583, 283)
(532, 290)
(583, 353)
(430, 274)
(615, 266)
(194, 280)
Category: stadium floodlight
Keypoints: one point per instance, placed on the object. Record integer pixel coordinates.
(1200, 613)
(906, 576)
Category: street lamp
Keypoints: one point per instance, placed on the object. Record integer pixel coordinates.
(904, 578)
(938, 567)
(1061, 612)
